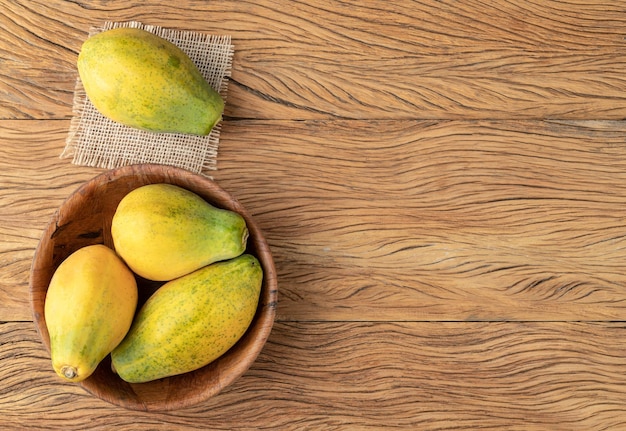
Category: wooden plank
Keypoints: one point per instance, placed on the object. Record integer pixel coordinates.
(34, 182)
(364, 376)
(437, 221)
(374, 60)
(400, 221)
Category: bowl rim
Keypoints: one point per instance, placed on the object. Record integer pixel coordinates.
(236, 361)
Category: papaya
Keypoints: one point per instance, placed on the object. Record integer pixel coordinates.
(191, 321)
(89, 307)
(163, 231)
(142, 80)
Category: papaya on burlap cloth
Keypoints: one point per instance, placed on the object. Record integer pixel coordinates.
(96, 141)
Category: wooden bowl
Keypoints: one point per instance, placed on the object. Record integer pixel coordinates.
(85, 219)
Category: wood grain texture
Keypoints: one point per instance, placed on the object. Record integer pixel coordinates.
(371, 60)
(438, 220)
(397, 220)
(34, 182)
(365, 376)
(442, 185)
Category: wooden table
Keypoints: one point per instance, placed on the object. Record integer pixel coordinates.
(442, 184)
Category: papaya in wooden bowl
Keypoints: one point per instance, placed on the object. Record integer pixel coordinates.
(85, 219)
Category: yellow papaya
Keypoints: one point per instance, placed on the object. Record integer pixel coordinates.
(89, 307)
(163, 231)
(142, 80)
(191, 321)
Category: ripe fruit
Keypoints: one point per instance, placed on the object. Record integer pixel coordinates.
(189, 322)
(163, 231)
(141, 80)
(89, 307)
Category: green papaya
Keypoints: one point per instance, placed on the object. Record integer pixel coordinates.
(141, 80)
(163, 231)
(191, 321)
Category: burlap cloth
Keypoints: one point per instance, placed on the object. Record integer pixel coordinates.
(94, 140)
